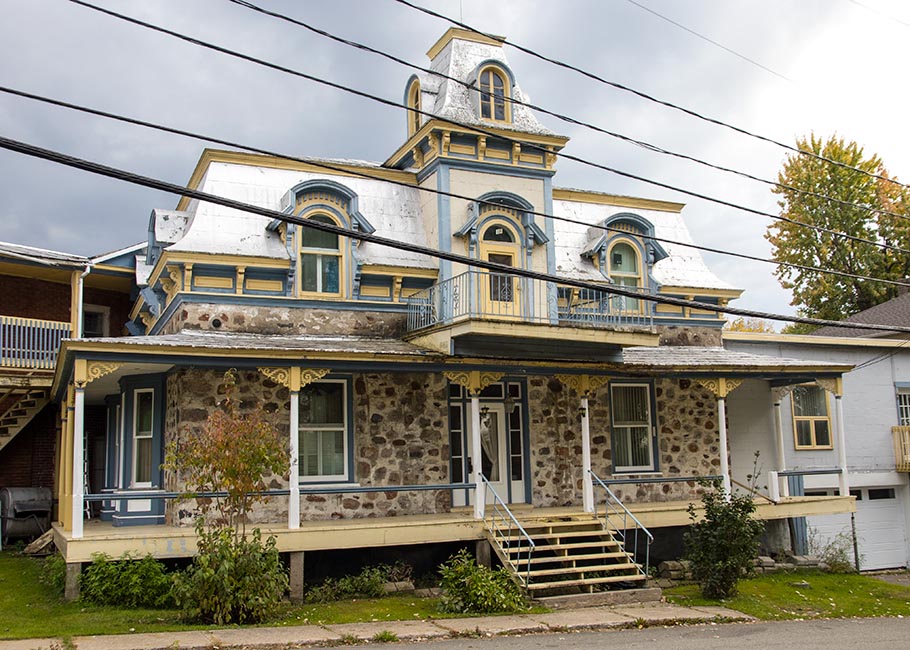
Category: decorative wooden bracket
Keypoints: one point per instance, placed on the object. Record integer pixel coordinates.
(473, 380)
(294, 377)
(85, 372)
(584, 385)
(720, 386)
(834, 385)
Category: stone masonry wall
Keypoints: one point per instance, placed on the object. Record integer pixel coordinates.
(400, 437)
(687, 441)
(285, 320)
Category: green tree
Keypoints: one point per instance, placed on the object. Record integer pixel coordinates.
(743, 324)
(823, 295)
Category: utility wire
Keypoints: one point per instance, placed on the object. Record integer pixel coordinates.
(711, 41)
(180, 190)
(475, 129)
(650, 98)
(560, 116)
(432, 190)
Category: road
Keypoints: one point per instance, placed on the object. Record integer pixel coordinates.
(853, 634)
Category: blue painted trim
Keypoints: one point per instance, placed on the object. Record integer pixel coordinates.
(503, 169)
(492, 63)
(444, 219)
(358, 221)
(407, 91)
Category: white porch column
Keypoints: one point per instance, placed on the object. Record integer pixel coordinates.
(294, 475)
(783, 486)
(844, 479)
(587, 482)
(722, 431)
(78, 507)
(477, 473)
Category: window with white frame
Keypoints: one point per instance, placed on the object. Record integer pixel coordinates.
(811, 424)
(631, 417)
(903, 406)
(320, 258)
(323, 431)
(143, 427)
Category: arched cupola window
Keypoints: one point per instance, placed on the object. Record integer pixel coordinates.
(495, 86)
(412, 101)
(326, 263)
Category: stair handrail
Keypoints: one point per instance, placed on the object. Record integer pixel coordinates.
(500, 519)
(612, 505)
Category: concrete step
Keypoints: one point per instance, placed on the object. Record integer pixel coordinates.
(601, 598)
(583, 582)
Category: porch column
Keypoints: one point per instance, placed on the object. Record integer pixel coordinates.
(584, 385)
(836, 386)
(721, 387)
(293, 445)
(475, 381)
(779, 444)
(78, 457)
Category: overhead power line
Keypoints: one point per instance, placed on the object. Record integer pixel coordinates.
(421, 188)
(180, 190)
(474, 128)
(560, 116)
(638, 93)
(709, 40)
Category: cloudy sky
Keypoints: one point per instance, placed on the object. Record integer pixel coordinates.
(829, 66)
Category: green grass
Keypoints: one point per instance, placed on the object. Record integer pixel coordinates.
(778, 597)
(31, 609)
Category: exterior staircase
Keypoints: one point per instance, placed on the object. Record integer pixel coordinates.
(573, 554)
(17, 409)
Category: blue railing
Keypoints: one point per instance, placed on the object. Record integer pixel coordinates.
(30, 343)
(483, 294)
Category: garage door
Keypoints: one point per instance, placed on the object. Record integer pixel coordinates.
(880, 528)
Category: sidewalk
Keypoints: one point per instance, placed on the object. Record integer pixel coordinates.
(282, 638)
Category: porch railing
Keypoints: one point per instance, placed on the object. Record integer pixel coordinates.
(901, 448)
(507, 532)
(30, 343)
(483, 294)
(619, 519)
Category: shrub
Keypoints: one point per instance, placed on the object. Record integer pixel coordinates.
(837, 552)
(231, 580)
(53, 573)
(721, 547)
(126, 582)
(469, 587)
(368, 583)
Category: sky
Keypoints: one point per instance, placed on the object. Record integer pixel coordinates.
(822, 66)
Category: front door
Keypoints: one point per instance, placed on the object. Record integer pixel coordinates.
(501, 459)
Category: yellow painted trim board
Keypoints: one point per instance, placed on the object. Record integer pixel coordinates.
(602, 198)
(847, 341)
(463, 35)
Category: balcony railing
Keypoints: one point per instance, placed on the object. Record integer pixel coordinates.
(482, 294)
(901, 448)
(30, 343)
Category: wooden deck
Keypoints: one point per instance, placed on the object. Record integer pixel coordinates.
(456, 526)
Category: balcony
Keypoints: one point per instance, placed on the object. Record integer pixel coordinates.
(901, 448)
(484, 312)
(29, 343)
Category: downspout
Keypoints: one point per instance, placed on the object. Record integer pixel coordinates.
(79, 300)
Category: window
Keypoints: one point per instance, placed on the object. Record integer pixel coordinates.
(903, 407)
(95, 321)
(877, 494)
(414, 103)
(143, 427)
(625, 272)
(499, 247)
(493, 92)
(323, 431)
(630, 413)
(320, 259)
(811, 425)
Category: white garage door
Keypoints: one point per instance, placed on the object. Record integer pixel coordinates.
(880, 528)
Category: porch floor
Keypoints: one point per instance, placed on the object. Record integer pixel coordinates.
(162, 541)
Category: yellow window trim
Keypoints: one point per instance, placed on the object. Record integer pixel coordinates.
(506, 95)
(813, 419)
(341, 253)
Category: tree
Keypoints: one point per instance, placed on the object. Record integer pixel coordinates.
(743, 324)
(822, 295)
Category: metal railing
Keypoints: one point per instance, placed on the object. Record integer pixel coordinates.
(901, 448)
(483, 294)
(507, 532)
(30, 343)
(618, 519)
(779, 488)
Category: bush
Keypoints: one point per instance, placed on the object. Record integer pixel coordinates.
(126, 582)
(722, 546)
(232, 579)
(368, 583)
(53, 573)
(837, 552)
(469, 587)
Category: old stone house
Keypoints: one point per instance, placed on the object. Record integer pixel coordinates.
(425, 400)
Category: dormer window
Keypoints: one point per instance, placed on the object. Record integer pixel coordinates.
(494, 90)
(625, 269)
(320, 259)
(413, 103)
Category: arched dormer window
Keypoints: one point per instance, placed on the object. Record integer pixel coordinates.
(495, 90)
(320, 258)
(413, 104)
(625, 269)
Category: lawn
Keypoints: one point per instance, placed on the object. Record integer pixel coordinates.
(32, 609)
(801, 595)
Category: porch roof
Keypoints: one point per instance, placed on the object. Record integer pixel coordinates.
(161, 352)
